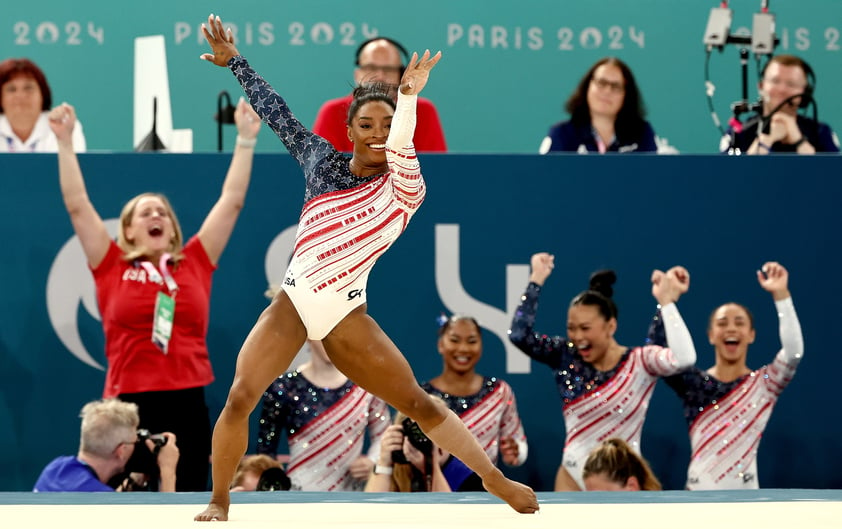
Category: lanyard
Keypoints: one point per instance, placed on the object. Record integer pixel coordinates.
(601, 146)
(167, 279)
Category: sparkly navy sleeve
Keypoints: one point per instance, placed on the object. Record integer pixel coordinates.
(301, 143)
(548, 350)
(657, 334)
(273, 419)
(684, 384)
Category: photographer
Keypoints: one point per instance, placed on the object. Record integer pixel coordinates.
(410, 462)
(109, 437)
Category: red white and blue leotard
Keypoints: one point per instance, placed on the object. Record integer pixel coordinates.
(727, 419)
(490, 414)
(598, 405)
(325, 430)
(347, 221)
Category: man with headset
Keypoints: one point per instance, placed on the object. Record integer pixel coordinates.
(379, 60)
(786, 85)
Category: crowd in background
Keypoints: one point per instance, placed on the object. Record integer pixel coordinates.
(340, 436)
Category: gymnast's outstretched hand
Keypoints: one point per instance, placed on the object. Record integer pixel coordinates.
(221, 42)
(417, 72)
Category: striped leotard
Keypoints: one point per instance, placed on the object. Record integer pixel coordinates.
(490, 414)
(347, 221)
(325, 429)
(726, 419)
(598, 405)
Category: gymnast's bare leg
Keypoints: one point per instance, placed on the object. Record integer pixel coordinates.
(267, 352)
(362, 351)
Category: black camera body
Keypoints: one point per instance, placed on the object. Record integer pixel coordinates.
(158, 439)
(273, 479)
(417, 438)
(144, 460)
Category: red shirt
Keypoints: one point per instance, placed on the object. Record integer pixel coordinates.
(332, 118)
(126, 298)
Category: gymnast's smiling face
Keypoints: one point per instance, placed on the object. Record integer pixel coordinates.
(368, 131)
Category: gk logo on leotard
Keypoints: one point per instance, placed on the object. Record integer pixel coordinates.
(357, 292)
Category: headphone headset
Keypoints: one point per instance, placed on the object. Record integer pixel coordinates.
(807, 95)
(396, 44)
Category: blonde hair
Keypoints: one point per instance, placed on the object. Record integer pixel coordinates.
(615, 459)
(133, 252)
(255, 464)
(106, 424)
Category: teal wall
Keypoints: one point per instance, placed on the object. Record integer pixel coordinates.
(508, 67)
(466, 250)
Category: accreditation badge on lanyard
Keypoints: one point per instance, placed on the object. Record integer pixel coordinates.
(162, 322)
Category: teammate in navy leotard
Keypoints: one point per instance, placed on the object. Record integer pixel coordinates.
(605, 387)
(728, 406)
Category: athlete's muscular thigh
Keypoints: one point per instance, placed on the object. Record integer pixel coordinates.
(269, 348)
(359, 348)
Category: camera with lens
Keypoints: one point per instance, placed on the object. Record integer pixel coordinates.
(417, 438)
(273, 479)
(158, 439)
(145, 461)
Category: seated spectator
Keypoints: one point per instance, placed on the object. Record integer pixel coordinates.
(606, 114)
(614, 466)
(259, 472)
(109, 438)
(379, 60)
(410, 462)
(25, 102)
(786, 86)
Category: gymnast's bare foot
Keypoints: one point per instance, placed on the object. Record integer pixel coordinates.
(215, 512)
(519, 497)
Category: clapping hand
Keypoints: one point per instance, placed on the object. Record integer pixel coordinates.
(221, 42)
(417, 72)
(783, 127)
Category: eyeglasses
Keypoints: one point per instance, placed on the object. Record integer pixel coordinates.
(373, 68)
(792, 85)
(615, 86)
